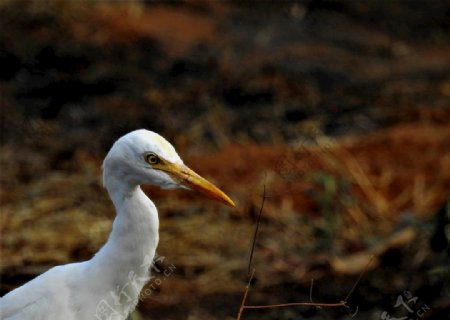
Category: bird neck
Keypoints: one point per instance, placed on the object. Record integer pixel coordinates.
(122, 265)
(136, 223)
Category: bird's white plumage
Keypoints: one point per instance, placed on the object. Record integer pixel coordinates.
(108, 285)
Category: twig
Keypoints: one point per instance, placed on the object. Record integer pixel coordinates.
(257, 228)
(292, 304)
(244, 298)
(359, 278)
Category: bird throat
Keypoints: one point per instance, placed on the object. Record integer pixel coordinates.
(127, 256)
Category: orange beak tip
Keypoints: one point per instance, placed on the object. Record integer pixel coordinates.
(193, 181)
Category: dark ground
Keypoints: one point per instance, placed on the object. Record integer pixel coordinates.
(341, 107)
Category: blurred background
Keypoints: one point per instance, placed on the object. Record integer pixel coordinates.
(339, 108)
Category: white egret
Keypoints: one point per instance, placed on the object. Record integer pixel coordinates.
(107, 287)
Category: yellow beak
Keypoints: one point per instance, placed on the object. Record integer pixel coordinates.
(189, 178)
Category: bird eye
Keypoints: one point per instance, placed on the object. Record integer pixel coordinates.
(152, 158)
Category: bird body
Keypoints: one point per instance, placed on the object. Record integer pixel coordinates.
(107, 287)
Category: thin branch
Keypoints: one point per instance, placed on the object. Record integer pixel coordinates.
(359, 278)
(255, 235)
(292, 304)
(244, 298)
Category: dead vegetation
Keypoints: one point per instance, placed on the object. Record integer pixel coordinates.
(347, 131)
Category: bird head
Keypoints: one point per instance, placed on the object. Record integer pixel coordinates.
(145, 157)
